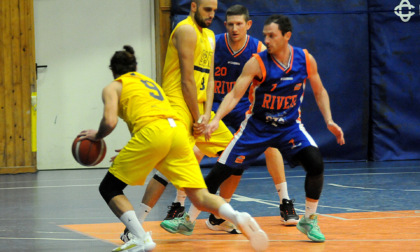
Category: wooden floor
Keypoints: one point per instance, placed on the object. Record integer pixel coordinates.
(365, 206)
(379, 231)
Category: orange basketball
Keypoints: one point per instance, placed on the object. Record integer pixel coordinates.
(87, 152)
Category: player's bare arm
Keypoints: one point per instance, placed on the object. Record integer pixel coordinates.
(184, 41)
(323, 100)
(200, 126)
(250, 71)
(209, 92)
(110, 96)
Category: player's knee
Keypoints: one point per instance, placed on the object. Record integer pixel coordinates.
(197, 197)
(311, 160)
(161, 179)
(111, 187)
(237, 172)
(217, 175)
(271, 153)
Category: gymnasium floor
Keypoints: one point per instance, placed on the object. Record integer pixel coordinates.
(365, 206)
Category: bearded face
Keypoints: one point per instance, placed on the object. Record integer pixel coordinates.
(201, 21)
(205, 11)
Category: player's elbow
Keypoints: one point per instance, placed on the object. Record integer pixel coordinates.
(110, 122)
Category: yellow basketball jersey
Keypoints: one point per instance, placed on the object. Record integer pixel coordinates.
(202, 59)
(142, 101)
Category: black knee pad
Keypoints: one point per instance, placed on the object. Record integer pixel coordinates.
(311, 160)
(217, 175)
(111, 187)
(160, 179)
(238, 172)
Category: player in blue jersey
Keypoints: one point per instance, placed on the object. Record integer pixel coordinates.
(233, 49)
(278, 77)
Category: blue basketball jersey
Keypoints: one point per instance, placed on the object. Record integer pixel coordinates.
(277, 97)
(274, 117)
(227, 68)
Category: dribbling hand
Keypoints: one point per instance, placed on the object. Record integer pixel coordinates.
(88, 134)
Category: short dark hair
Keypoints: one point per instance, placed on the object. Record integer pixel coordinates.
(123, 62)
(198, 2)
(237, 9)
(282, 21)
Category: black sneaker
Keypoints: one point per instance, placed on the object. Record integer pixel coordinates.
(221, 225)
(288, 214)
(126, 236)
(175, 210)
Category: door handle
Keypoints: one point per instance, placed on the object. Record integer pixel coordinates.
(39, 66)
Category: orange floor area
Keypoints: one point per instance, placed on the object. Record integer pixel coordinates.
(371, 231)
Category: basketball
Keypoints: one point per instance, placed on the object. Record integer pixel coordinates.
(87, 152)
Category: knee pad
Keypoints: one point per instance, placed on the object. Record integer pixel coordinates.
(311, 160)
(238, 172)
(217, 175)
(111, 187)
(160, 178)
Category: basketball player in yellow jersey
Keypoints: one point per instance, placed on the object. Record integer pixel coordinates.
(188, 78)
(159, 140)
(188, 82)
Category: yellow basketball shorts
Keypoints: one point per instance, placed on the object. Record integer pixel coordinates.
(218, 142)
(161, 146)
(219, 139)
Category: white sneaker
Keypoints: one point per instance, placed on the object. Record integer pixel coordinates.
(216, 224)
(250, 228)
(138, 245)
(149, 245)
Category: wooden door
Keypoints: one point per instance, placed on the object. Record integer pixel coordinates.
(17, 85)
(163, 30)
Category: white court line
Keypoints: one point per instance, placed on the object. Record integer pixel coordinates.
(64, 218)
(265, 202)
(41, 187)
(336, 175)
(378, 189)
(49, 180)
(48, 239)
(335, 240)
(242, 198)
(279, 240)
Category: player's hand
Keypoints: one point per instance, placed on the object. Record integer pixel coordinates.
(338, 133)
(113, 158)
(88, 134)
(200, 126)
(212, 127)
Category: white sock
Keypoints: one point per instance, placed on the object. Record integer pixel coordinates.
(228, 213)
(282, 191)
(180, 197)
(193, 213)
(310, 207)
(130, 220)
(227, 201)
(143, 212)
